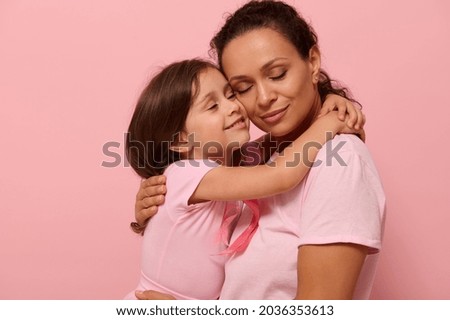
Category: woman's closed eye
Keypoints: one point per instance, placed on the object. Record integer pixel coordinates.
(243, 90)
(279, 76)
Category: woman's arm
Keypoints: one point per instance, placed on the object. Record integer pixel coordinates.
(341, 222)
(242, 183)
(330, 271)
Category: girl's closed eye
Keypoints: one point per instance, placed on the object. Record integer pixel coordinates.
(231, 95)
(213, 107)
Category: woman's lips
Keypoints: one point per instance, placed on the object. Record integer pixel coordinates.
(274, 116)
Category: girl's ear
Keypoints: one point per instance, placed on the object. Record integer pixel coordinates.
(315, 60)
(180, 143)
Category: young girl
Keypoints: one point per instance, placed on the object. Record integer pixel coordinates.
(187, 122)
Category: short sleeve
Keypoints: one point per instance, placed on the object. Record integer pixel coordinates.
(183, 177)
(344, 199)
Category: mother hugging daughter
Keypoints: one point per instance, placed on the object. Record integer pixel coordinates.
(314, 231)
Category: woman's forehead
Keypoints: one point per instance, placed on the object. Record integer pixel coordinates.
(256, 49)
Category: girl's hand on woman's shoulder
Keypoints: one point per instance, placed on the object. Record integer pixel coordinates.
(334, 124)
(347, 111)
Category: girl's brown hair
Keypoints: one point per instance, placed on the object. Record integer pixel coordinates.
(158, 118)
(160, 115)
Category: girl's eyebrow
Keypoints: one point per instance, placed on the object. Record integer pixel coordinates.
(208, 95)
(265, 66)
(227, 87)
(211, 94)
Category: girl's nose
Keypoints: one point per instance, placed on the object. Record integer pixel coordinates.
(233, 107)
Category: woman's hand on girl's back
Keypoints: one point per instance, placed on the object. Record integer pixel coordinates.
(153, 295)
(150, 195)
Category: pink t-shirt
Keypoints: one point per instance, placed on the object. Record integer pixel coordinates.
(181, 246)
(338, 201)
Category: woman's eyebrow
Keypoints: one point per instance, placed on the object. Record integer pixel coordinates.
(239, 77)
(270, 62)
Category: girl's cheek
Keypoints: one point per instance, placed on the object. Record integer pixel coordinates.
(247, 106)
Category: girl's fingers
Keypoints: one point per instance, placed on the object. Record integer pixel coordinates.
(361, 120)
(323, 111)
(342, 110)
(348, 112)
(352, 115)
(362, 135)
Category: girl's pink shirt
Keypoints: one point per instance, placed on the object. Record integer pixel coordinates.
(181, 245)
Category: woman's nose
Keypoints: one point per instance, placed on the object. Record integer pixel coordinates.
(265, 96)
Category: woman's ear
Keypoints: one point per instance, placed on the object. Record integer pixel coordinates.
(314, 60)
(180, 143)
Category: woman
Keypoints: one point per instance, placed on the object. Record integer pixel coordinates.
(321, 239)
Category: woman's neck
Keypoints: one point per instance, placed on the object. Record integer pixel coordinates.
(284, 141)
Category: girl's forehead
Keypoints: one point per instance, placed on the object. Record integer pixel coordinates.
(211, 78)
(211, 83)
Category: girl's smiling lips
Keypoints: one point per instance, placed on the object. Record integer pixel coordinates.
(274, 116)
(237, 124)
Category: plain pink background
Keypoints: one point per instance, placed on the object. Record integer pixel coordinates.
(70, 73)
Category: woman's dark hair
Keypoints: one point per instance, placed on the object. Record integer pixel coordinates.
(160, 115)
(279, 17)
